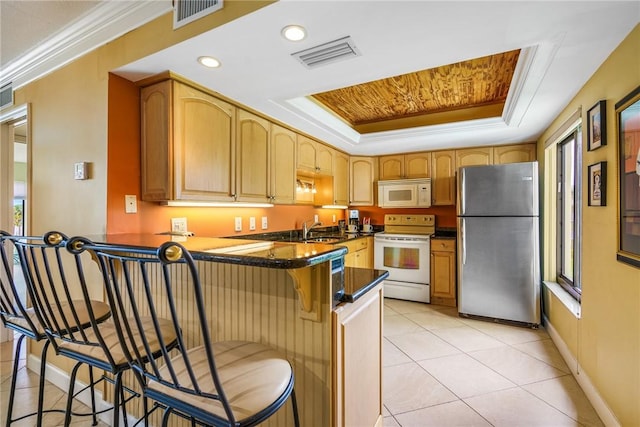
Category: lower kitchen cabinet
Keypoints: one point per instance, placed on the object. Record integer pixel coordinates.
(360, 253)
(357, 373)
(443, 272)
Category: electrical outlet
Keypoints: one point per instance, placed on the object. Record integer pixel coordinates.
(315, 218)
(252, 223)
(333, 218)
(238, 223)
(130, 204)
(179, 225)
(265, 224)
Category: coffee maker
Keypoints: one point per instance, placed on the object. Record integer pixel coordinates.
(354, 221)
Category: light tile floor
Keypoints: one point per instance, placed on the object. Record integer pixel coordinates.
(26, 398)
(444, 370)
(439, 370)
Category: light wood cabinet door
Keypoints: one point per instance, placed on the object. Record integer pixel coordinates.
(188, 142)
(306, 158)
(474, 156)
(282, 164)
(391, 167)
(324, 159)
(514, 153)
(443, 272)
(252, 158)
(156, 104)
(443, 182)
(340, 179)
(417, 165)
(357, 329)
(362, 174)
(360, 253)
(205, 141)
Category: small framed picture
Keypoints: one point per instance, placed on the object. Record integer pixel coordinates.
(597, 126)
(598, 184)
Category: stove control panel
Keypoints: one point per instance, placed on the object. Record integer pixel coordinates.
(411, 224)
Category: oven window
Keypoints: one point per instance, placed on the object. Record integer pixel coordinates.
(404, 258)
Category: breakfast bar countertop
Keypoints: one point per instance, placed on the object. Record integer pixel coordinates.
(358, 281)
(257, 253)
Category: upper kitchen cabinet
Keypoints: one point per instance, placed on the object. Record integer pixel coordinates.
(265, 161)
(188, 141)
(283, 160)
(252, 158)
(314, 157)
(340, 179)
(399, 166)
(443, 179)
(514, 153)
(474, 156)
(362, 177)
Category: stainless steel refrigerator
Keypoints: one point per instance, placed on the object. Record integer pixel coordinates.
(498, 242)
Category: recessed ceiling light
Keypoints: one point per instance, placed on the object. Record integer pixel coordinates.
(294, 33)
(209, 61)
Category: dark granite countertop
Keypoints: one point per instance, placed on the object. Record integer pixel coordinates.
(330, 235)
(358, 281)
(258, 253)
(445, 233)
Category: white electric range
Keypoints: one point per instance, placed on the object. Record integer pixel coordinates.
(403, 249)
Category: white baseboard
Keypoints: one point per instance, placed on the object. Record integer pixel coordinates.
(599, 404)
(60, 379)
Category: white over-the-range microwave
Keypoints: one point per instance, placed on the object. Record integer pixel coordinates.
(404, 193)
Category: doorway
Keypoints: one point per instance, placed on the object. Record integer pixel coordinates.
(14, 182)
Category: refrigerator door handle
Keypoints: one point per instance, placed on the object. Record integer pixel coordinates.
(464, 243)
(461, 192)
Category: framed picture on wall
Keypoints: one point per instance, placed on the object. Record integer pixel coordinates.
(597, 126)
(628, 125)
(598, 184)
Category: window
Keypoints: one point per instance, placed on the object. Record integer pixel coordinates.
(568, 227)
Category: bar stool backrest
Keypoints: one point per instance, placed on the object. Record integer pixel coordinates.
(13, 303)
(159, 284)
(60, 297)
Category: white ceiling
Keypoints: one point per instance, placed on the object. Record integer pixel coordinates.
(564, 43)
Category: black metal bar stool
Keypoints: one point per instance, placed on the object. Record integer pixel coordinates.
(53, 289)
(228, 383)
(17, 316)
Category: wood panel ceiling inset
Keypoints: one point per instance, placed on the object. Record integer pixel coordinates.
(466, 90)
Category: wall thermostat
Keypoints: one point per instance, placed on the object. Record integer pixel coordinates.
(80, 170)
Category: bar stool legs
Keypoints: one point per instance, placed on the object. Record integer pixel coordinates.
(14, 378)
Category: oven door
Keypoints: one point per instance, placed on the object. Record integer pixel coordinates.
(405, 257)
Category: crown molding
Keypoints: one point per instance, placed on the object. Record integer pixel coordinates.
(104, 23)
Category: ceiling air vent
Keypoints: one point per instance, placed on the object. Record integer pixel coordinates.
(337, 50)
(6, 95)
(185, 11)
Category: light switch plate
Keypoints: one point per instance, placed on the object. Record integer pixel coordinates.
(252, 223)
(130, 204)
(315, 218)
(265, 223)
(80, 170)
(238, 223)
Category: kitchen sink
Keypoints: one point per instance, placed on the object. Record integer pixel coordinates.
(327, 240)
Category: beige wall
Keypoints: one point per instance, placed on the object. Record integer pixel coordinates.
(606, 339)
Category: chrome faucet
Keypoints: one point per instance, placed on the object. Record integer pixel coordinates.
(306, 230)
